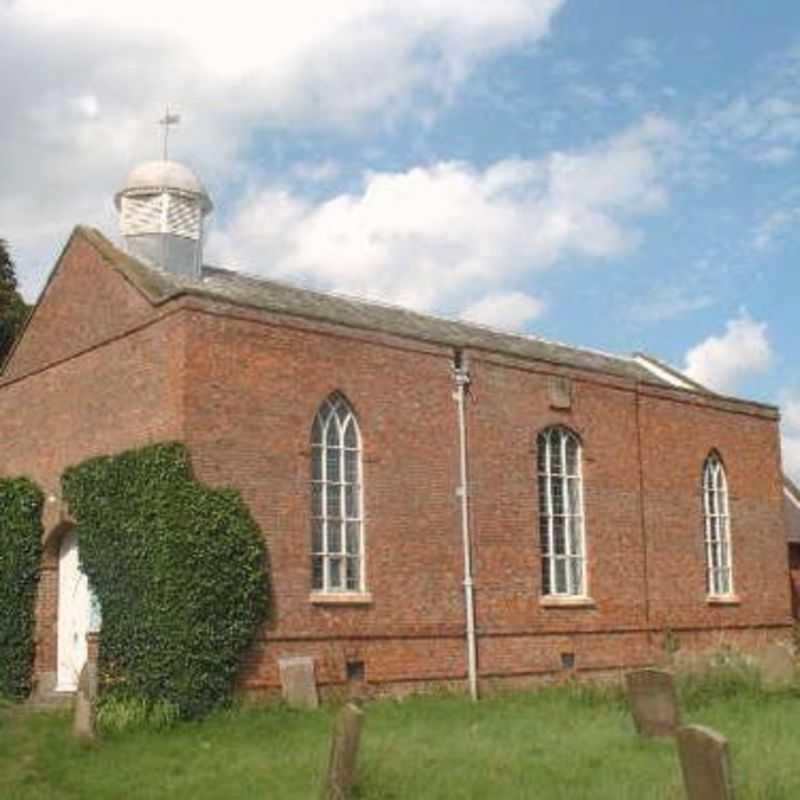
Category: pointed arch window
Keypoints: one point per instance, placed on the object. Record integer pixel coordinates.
(561, 528)
(719, 572)
(337, 523)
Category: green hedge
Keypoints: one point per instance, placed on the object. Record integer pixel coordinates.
(20, 559)
(179, 570)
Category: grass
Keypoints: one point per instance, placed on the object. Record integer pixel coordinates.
(557, 743)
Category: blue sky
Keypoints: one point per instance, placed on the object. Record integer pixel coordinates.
(618, 175)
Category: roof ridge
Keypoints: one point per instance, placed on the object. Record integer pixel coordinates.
(370, 301)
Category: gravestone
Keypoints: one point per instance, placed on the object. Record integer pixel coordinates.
(776, 664)
(705, 764)
(341, 773)
(654, 705)
(83, 721)
(298, 685)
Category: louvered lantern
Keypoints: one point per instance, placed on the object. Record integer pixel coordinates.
(162, 209)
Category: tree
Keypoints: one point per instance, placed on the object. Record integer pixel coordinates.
(13, 309)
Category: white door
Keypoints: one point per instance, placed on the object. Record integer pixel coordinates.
(73, 615)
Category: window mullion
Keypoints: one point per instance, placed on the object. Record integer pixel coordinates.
(324, 488)
(341, 569)
(551, 546)
(709, 560)
(343, 501)
(580, 512)
(566, 525)
(717, 527)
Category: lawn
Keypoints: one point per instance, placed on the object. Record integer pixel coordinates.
(556, 743)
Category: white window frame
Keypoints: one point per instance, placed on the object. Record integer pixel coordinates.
(717, 529)
(336, 503)
(561, 499)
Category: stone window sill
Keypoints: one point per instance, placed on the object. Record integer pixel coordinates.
(723, 600)
(340, 599)
(566, 601)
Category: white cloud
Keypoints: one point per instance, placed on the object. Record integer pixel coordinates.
(669, 302)
(776, 155)
(722, 362)
(638, 54)
(317, 171)
(773, 227)
(98, 74)
(504, 310)
(762, 122)
(444, 235)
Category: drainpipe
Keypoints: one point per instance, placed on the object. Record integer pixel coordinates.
(461, 376)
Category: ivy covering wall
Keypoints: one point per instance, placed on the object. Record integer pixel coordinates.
(179, 570)
(20, 559)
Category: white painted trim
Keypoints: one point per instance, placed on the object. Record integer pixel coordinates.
(663, 374)
(723, 599)
(795, 502)
(340, 598)
(566, 601)
(715, 480)
(327, 416)
(569, 512)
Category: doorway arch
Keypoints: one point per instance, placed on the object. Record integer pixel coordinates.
(74, 614)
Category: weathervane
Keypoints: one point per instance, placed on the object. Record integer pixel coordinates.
(167, 120)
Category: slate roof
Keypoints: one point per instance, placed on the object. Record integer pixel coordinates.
(285, 298)
(384, 318)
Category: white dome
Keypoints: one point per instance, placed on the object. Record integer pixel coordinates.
(164, 175)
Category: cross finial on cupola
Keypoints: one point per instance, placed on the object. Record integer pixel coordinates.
(162, 208)
(167, 120)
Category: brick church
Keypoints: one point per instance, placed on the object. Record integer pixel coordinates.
(440, 502)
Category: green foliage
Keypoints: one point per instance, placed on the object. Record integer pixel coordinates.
(20, 558)
(8, 277)
(672, 642)
(13, 309)
(593, 694)
(123, 714)
(179, 570)
(541, 745)
(725, 673)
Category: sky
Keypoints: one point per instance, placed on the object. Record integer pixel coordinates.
(611, 174)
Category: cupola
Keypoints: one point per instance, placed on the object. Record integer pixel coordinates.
(162, 209)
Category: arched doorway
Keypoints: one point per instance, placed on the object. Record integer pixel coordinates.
(74, 612)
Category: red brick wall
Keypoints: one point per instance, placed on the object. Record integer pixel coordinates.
(256, 385)
(255, 390)
(241, 388)
(676, 438)
(85, 302)
(119, 392)
(508, 405)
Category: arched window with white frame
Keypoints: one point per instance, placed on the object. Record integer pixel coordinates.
(561, 522)
(337, 522)
(719, 571)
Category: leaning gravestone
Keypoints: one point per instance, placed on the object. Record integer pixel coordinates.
(705, 764)
(654, 705)
(341, 773)
(776, 664)
(297, 682)
(83, 721)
